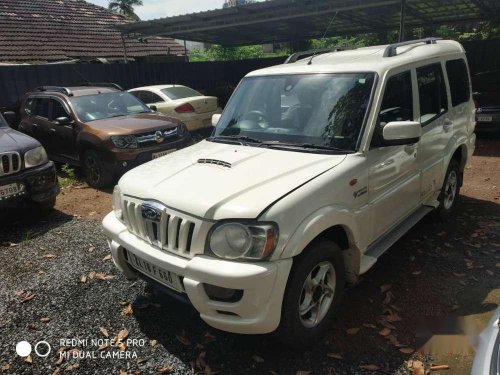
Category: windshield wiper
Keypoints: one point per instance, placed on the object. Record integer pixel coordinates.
(302, 145)
(237, 138)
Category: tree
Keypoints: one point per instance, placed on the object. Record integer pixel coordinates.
(125, 8)
(219, 53)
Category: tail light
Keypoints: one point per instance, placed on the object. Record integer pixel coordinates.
(184, 108)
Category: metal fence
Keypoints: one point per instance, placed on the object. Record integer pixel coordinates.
(211, 78)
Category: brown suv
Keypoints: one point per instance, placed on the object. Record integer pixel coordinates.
(101, 128)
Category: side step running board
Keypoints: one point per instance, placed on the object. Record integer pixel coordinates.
(385, 242)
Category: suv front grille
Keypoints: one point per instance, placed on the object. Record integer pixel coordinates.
(171, 231)
(9, 163)
(151, 138)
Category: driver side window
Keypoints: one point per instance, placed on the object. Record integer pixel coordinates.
(397, 104)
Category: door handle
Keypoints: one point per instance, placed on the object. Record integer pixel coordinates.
(35, 125)
(52, 131)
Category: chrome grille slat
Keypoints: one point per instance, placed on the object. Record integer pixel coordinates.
(173, 232)
(183, 233)
(10, 162)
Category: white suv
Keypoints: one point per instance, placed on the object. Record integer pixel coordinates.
(315, 168)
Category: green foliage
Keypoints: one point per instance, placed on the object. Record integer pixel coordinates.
(69, 176)
(220, 53)
(125, 8)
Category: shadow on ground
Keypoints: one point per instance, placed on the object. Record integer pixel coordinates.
(437, 274)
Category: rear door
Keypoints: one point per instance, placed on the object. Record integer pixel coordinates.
(437, 126)
(394, 184)
(42, 127)
(462, 107)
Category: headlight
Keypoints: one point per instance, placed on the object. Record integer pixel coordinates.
(127, 141)
(35, 157)
(117, 203)
(253, 241)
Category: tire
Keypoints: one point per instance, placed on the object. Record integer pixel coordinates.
(300, 330)
(46, 206)
(96, 174)
(450, 190)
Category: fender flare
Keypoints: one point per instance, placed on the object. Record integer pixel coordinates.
(317, 223)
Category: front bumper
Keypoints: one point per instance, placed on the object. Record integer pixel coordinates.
(40, 185)
(263, 283)
(119, 161)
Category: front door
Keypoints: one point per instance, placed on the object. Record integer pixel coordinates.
(64, 137)
(42, 127)
(394, 178)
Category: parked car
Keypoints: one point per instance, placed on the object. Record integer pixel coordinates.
(188, 105)
(261, 225)
(487, 359)
(26, 174)
(486, 86)
(101, 128)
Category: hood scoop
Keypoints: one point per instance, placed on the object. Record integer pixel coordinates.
(220, 163)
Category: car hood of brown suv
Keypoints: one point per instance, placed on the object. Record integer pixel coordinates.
(133, 124)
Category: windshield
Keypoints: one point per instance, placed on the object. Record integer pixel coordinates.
(103, 106)
(180, 92)
(324, 110)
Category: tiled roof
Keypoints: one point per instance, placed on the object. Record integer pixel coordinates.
(56, 30)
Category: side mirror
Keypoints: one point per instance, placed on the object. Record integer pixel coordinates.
(396, 133)
(153, 107)
(215, 119)
(10, 117)
(62, 121)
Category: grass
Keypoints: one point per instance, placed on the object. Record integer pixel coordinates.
(69, 176)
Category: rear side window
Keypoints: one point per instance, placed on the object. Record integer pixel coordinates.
(397, 104)
(458, 77)
(431, 92)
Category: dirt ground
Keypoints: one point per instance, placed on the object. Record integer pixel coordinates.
(425, 300)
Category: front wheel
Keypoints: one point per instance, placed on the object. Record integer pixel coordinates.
(449, 191)
(314, 291)
(95, 172)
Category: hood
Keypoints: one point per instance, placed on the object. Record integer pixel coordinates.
(220, 181)
(12, 140)
(134, 124)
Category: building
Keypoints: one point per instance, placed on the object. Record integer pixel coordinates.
(53, 31)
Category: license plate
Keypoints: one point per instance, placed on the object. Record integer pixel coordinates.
(157, 155)
(484, 118)
(165, 277)
(10, 190)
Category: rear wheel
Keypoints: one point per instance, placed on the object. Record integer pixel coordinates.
(314, 291)
(450, 190)
(95, 172)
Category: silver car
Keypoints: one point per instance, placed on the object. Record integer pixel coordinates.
(487, 360)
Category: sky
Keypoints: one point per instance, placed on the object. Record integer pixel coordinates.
(164, 8)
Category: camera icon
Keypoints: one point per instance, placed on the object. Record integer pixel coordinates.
(42, 349)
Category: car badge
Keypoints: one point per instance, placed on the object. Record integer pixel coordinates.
(151, 212)
(159, 137)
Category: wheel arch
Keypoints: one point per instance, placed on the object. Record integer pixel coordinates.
(331, 224)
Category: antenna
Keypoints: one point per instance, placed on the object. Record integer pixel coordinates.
(324, 35)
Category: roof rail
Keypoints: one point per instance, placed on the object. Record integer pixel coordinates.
(62, 90)
(391, 50)
(313, 52)
(103, 84)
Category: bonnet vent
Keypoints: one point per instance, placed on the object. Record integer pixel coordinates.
(215, 162)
